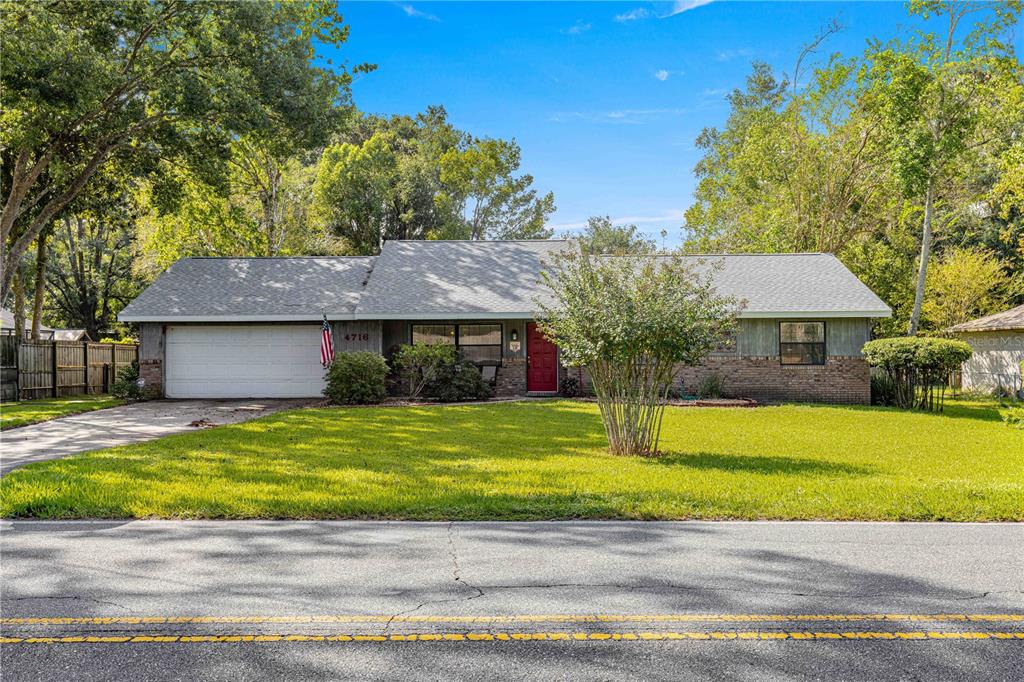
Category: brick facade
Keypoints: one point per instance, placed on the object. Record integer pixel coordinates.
(511, 378)
(842, 379)
(152, 373)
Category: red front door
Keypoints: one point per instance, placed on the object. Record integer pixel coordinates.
(541, 361)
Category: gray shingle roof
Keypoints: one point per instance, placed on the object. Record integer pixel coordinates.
(1007, 320)
(252, 288)
(424, 279)
(794, 284)
(458, 279)
(464, 279)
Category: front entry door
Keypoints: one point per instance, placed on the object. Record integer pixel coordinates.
(541, 360)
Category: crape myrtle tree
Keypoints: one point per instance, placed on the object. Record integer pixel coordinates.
(629, 320)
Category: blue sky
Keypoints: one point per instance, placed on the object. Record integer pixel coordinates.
(605, 98)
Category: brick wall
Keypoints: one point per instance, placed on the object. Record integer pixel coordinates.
(511, 378)
(842, 379)
(152, 372)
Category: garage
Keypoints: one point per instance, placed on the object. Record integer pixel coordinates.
(243, 361)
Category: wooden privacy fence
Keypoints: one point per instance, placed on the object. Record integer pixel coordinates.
(44, 369)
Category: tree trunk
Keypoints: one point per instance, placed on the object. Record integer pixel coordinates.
(922, 270)
(37, 301)
(19, 303)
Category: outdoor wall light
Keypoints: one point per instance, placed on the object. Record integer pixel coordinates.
(514, 336)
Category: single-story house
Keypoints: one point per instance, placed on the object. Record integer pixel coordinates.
(998, 343)
(45, 333)
(250, 327)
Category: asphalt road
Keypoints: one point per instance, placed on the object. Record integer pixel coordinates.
(573, 600)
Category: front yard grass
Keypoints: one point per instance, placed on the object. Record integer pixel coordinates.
(547, 460)
(27, 412)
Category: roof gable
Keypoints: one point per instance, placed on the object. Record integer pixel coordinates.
(1007, 320)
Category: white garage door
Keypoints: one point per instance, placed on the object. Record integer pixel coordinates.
(243, 361)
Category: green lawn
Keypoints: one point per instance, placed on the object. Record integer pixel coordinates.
(34, 411)
(546, 460)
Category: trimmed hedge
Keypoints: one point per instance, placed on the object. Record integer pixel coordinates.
(357, 379)
(919, 367)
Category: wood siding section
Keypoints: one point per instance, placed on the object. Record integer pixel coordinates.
(360, 335)
(844, 336)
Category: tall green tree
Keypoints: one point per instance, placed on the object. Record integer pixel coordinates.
(965, 284)
(419, 177)
(792, 170)
(941, 96)
(491, 200)
(602, 236)
(143, 81)
(355, 187)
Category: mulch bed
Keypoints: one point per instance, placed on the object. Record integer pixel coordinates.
(405, 402)
(700, 402)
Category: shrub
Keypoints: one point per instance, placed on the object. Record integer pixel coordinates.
(569, 387)
(883, 389)
(1014, 417)
(126, 385)
(421, 361)
(357, 379)
(711, 386)
(918, 367)
(458, 381)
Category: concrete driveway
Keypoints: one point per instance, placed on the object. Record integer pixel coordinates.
(126, 424)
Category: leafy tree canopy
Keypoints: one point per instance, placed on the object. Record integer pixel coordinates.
(145, 81)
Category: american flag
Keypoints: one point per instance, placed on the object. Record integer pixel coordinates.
(326, 343)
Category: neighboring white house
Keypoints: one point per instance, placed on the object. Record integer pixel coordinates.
(998, 343)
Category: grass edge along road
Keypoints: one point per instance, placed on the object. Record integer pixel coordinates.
(20, 413)
(547, 460)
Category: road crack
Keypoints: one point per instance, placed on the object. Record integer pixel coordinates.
(456, 573)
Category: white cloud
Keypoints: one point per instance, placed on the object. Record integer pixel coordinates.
(411, 11)
(632, 15)
(680, 6)
(729, 55)
(629, 116)
(674, 216)
(577, 28)
(661, 74)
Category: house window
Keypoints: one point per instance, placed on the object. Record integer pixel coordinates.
(802, 343)
(478, 343)
(433, 333)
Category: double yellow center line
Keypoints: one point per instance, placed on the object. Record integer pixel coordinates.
(517, 636)
(523, 619)
(512, 628)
